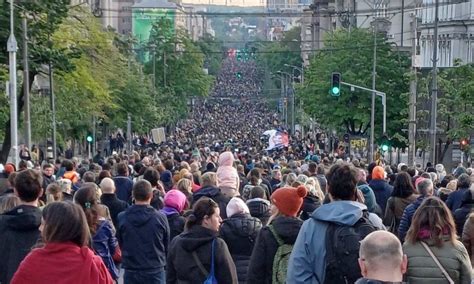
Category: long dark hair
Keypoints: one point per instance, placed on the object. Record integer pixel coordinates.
(65, 222)
(432, 215)
(203, 207)
(403, 187)
(86, 197)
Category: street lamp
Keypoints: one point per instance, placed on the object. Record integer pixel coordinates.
(288, 75)
(12, 47)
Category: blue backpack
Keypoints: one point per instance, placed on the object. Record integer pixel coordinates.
(211, 277)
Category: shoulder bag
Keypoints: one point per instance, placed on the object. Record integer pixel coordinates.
(445, 273)
(211, 277)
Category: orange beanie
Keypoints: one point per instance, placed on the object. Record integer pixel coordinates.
(378, 173)
(288, 200)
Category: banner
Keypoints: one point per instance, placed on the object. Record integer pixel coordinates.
(276, 139)
(158, 135)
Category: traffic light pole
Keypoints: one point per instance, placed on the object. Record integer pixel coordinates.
(384, 103)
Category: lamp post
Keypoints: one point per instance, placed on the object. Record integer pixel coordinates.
(12, 48)
(289, 77)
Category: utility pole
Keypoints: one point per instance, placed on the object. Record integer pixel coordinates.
(26, 83)
(164, 67)
(434, 86)
(94, 135)
(53, 108)
(129, 132)
(12, 47)
(412, 105)
(403, 22)
(372, 112)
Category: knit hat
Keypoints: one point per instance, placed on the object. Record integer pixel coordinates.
(9, 168)
(378, 173)
(236, 206)
(175, 199)
(418, 180)
(288, 200)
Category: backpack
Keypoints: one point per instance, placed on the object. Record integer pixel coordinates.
(342, 250)
(281, 259)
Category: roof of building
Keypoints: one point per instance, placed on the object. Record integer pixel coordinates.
(155, 4)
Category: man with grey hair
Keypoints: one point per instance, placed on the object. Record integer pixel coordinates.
(381, 259)
(425, 189)
(110, 199)
(455, 198)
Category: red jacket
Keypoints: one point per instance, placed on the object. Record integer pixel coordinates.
(62, 263)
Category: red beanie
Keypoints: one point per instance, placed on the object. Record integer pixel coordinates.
(288, 200)
(378, 173)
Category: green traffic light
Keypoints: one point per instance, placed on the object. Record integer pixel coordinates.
(89, 139)
(335, 90)
(384, 148)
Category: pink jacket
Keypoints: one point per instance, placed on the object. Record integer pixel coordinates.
(227, 176)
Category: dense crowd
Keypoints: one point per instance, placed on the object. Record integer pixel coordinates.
(209, 206)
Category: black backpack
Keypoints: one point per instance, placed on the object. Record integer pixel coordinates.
(342, 250)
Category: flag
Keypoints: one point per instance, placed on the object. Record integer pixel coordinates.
(276, 139)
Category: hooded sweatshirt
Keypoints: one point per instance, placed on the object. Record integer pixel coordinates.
(181, 265)
(308, 259)
(83, 266)
(143, 235)
(227, 176)
(18, 234)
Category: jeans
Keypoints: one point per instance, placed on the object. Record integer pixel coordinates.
(141, 277)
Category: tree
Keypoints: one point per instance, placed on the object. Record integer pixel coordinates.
(213, 51)
(351, 54)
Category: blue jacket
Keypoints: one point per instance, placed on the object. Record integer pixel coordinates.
(308, 259)
(369, 196)
(143, 234)
(123, 187)
(382, 191)
(455, 199)
(407, 216)
(105, 243)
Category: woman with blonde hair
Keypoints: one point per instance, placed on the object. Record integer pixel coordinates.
(434, 253)
(54, 193)
(313, 200)
(185, 186)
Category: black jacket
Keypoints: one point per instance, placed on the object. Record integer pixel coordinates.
(259, 208)
(114, 204)
(240, 233)
(261, 261)
(143, 234)
(18, 234)
(176, 223)
(215, 194)
(310, 203)
(181, 266)
(462, 213)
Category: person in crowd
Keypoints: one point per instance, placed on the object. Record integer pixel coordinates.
(467, 236)
(153, 176)
(123, 183)
(143, 234)
(65, 256)
(101, 230)
(312, 200)
(380, 186)
(66, 188)
(259, 207)
(8, 202)
(282, 228)
(109, 199)
(48, 175)
(185, 186)
(227, 176)
(174, 205)
(431, 239)
(19, 226)
(461, 214)
(381, 259)
(368, 193)
(69, 171)
(403, 194)
(211, 190)
(316, 265)
(455, 198)
(275, 181)
(425, 189)
(199, 251)
(54, 193)
(240, 231)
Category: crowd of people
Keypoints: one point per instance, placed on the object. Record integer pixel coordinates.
(224, 211)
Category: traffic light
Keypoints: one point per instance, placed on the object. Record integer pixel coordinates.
(464, 144)
(335, 84)
(238, 75)
(89, 138)
(385, 144)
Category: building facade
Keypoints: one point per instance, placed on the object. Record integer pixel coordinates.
(455, 33)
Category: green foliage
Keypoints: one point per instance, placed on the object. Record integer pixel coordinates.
(182, 77)
(213, 51)
(351, 54)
